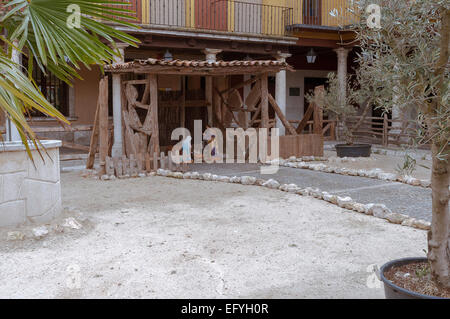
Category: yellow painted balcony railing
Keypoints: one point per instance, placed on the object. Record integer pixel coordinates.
(265, 17)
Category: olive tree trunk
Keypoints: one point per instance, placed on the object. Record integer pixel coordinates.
(439, 235)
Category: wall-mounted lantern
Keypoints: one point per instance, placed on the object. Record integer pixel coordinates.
(311, 56)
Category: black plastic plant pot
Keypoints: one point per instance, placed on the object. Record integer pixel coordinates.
(392, 291)
(353, 150)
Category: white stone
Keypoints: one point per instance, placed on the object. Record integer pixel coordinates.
(40, 232)
(162, 172)
(292, 188)
(302, 165)
(315, 192)
(425, 183)
(378, 210)
(358, 207)
(140, 175)
(396, 218)
(72, 223)
(178, 175)
(248, 180)
(422, 224)
(387, 176)
(352, 172)
(411, 180)
(271, 183)
(345, 202)
(224, 179)
(330, 198)
(362, 173)
(207, 176)
(235, 179)
(187, 175)
(195, 175)
(409, 222)
(317, 167)
(374, 173)
(303, 192)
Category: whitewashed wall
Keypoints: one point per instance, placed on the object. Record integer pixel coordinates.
(29, 193)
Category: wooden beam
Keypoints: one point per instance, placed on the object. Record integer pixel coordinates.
(209, 98)
(103, 123)
(241, 85)
(264, 101)
(153, 83)
(183, 102)
(305, 119)
(281, 116)
(319, 91)
(94, 139)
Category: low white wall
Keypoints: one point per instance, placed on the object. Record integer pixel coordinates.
(29, 193)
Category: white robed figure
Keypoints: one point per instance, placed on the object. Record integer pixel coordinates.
(186, 146)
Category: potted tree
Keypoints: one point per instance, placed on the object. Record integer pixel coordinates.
(344, 106)
(405, 58)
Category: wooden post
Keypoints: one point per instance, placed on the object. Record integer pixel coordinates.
(153, 83)
(162, 160)
(264, 101)
(155, 161)
(94, 139)
(103, 123)
(318, 110)
(333, 131)
(209, 98)
(169, 159)
(183, 102)
(385, 130)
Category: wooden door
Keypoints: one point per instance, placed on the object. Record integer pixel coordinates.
(211, 14)
(312, 12)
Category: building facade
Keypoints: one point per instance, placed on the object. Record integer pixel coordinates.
(309, 34)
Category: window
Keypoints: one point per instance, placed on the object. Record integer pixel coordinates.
(54, 90)
(294, 91)
(312, 12)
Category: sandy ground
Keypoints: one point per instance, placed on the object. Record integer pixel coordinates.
(157, 237)
(387, 163)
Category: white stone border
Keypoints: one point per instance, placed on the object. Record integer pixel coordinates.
(376, 210)
(375, 173)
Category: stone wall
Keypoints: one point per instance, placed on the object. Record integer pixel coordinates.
(29, 193)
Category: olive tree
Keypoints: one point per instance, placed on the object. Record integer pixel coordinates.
(404, 61)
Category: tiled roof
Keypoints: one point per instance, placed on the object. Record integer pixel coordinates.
(196, 64)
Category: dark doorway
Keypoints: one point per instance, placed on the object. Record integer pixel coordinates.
(310, 84)
(312, 12)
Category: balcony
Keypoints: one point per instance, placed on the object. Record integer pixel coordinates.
(255, 17)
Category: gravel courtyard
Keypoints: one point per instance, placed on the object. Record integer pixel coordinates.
(164, 238)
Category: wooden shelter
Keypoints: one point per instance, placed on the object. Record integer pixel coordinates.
(224, 105)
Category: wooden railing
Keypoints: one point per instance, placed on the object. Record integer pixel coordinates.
(248, 17)
(375, 129)
(330, 13)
